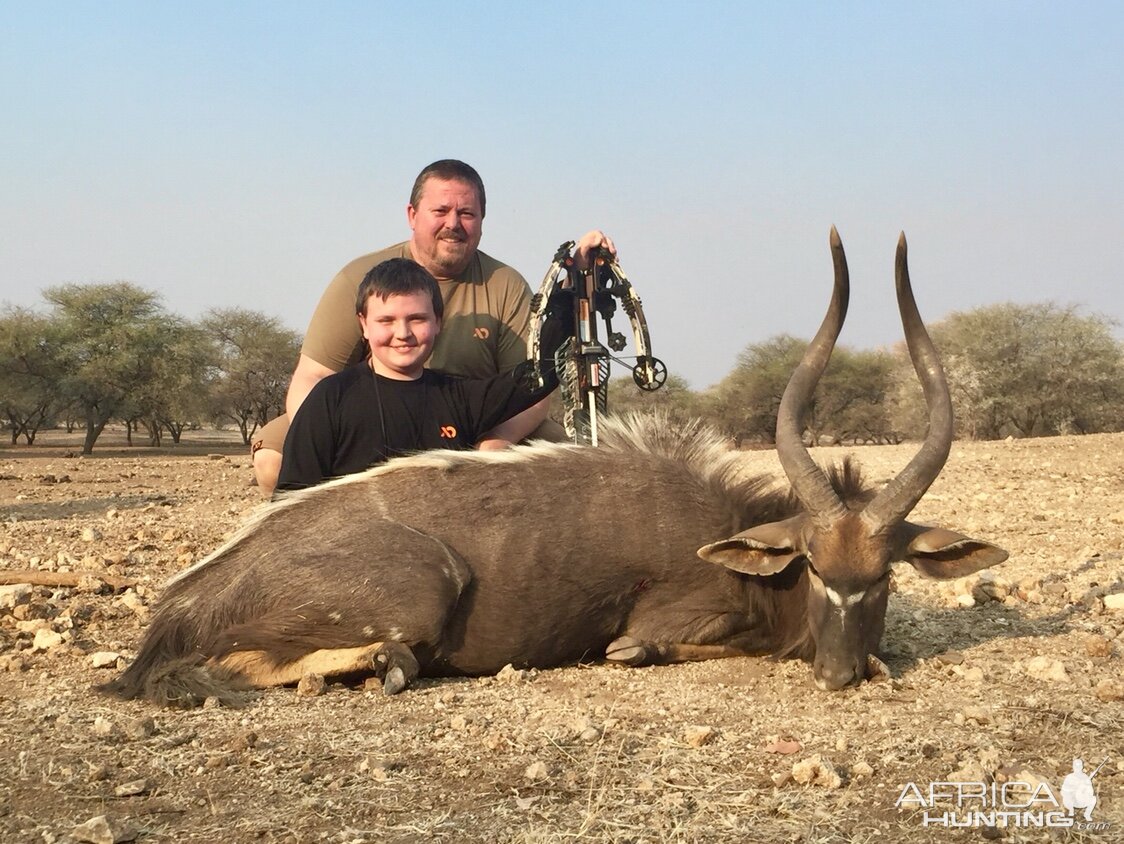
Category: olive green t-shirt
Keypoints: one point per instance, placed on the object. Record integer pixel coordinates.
(483, 333)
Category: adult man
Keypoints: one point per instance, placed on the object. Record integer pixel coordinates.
(487, 307)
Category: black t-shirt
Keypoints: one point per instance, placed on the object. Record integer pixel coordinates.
(355, 419)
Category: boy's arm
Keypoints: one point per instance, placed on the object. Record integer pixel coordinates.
(515, 429)
(513, 400)
(510, 353)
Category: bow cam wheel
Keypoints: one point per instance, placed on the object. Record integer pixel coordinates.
(649, 374)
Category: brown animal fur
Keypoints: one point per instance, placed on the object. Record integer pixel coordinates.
(603, 546)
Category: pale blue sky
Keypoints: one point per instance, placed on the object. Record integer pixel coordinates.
(237, 154)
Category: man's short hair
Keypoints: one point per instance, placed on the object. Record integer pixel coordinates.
(449, 169)
(398, 277)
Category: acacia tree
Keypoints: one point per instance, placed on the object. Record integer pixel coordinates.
(857, 385)
(848, 403)
(177, 393)
(254, 358)
(1031, 370)
(744, 403)
(29, 372)
(112, 336)
(674, 398)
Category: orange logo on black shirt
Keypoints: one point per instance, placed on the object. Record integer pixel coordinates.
(448, 432)
(481, 333)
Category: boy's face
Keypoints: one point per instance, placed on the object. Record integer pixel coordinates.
(400, 332)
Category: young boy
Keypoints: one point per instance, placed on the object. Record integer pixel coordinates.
(390, 404)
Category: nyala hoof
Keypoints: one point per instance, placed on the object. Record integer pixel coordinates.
(395, 665)
(629, 651)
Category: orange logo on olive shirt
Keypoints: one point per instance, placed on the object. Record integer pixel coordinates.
(481, 333)
(448, 432)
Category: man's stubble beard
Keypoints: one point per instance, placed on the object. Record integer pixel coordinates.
(449, 263)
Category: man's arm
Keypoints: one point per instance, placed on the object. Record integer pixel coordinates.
(306, 376)
(310, 450)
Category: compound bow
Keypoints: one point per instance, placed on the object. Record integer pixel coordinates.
(582, 363)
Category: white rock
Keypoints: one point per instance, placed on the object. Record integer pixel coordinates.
(103, 726)
(45, 639)
(861, 769)
(816, 770)
(1109, 690)
(589, 735)
(586, 731)
(14, 594)
(102, 830)
(1029, 780)
(312, 684)
(1114, 602)
(131, 600)
(990, 589)
(132, 789)
(536, 771)
(135, 603)
(697, 736)
(510, 674)
(977, 714)
(104, 659)
(1045, 668)
(969, 771)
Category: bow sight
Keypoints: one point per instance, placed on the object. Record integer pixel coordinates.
(582, 363)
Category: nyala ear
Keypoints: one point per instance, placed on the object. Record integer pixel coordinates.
(762, 550)
(945, 554)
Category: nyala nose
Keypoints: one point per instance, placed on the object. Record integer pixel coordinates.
(832, 677)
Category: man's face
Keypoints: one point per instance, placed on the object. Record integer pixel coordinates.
(447, 224)
(400, 332)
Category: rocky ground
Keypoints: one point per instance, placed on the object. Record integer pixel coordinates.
(1001, 678)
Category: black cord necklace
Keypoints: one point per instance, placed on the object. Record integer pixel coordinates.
(417, 423)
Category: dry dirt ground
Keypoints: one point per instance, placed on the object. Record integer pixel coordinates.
(1007, 686)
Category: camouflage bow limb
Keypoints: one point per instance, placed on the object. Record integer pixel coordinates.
(649, 373)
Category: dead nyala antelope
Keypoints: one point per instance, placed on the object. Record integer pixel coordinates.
(459, 563)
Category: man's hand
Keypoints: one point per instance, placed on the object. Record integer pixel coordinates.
(590, 243)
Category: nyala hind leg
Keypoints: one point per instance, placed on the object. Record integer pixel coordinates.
(355, 617)
(261, 670)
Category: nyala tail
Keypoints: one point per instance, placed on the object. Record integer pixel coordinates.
(182, 683)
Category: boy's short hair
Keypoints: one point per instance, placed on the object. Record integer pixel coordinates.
(398, 277)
